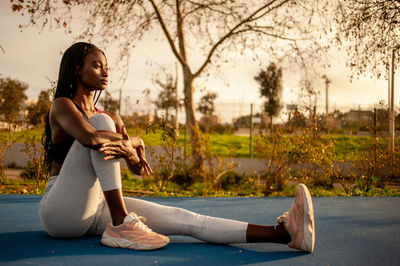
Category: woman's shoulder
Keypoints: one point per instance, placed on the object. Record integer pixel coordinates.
(61, 103)
(62, 100)
(62, 106)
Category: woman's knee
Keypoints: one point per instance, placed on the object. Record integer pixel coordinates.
(102, 121)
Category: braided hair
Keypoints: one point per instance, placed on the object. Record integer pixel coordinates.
(73, 57)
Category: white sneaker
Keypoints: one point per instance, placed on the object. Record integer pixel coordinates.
(133, 234)
(299, 221)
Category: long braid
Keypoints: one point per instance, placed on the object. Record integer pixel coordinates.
(66, 86)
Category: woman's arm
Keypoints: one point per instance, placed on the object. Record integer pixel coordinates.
(134, 156)
(64, 115)
(132, 149)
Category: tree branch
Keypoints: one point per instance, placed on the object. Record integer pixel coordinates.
(179, 30)
(232, 31)
(166, 32)
(201, 6)
(268, 34)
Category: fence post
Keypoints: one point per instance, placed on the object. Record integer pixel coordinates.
(251, 131)
(185, 142)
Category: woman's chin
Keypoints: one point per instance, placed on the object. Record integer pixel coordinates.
(101, 88)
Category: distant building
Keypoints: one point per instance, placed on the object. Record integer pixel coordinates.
(210, 120)
(140, 119)
(382, 119)
(259, 120)
(358, 118)
(333, 122)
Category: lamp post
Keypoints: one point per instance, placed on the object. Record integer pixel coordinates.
(391, 105)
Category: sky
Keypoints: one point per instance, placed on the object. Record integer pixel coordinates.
(34, 59)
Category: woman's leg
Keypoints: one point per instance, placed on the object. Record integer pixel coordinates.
(271, 234)
(177, 221)
(108, 173)
(69, 208)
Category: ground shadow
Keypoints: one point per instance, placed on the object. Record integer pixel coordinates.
(38, 246)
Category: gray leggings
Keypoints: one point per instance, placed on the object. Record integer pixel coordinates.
(73, 203)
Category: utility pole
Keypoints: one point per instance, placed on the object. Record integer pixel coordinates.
(327, 81)
(391, 104)
(391, 109)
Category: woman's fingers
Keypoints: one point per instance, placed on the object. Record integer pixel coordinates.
(114, 153)
(148, 169)
(141, 154)
(125, 133)
(146, 165)
(111, 150)
(110, 144)
(109, 157)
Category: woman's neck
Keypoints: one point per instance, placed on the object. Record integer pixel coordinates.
(84, 98)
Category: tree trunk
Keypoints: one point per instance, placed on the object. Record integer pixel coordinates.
(194, 131)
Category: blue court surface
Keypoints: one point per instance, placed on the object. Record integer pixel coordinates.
(349, 231)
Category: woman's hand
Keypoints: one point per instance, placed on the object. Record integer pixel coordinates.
(131, 149)
(119, 149)
(141, 154)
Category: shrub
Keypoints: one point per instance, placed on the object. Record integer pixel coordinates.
(4, 145)
(232, 180)
(36, 168)
(165, 162)
(184, 176)
(307, 156)
(378, 166)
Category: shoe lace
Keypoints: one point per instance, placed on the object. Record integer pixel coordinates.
(282, 219)
(139, 223)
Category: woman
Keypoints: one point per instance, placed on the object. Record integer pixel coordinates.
(83, 194)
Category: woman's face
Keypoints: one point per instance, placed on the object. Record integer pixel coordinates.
(93, 74)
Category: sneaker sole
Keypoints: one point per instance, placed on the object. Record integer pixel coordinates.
(309, 236)
(124, 243)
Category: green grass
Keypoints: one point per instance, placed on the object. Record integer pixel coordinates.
(24, 136)
(21, 186)
(224, 145)
(145, 187)
(349, 147)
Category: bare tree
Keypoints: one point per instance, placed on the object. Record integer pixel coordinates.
(168, 96)
(208, 29)
(369, 30)
(206, 106)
